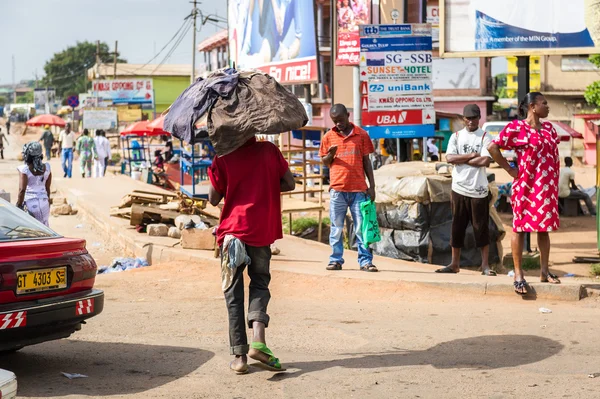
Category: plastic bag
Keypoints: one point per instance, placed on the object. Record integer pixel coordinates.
(370, 227)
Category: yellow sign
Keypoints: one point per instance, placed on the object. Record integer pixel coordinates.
(126, 114)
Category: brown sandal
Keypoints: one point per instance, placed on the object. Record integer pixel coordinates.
(550, 278)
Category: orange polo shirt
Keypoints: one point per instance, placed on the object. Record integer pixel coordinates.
(347, 173)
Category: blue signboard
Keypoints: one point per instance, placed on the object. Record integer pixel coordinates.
(395, 30)
(400, 132)
(406, 43)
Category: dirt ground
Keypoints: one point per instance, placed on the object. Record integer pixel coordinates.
(163, 334)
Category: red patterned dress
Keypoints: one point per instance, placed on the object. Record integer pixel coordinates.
(535, 191)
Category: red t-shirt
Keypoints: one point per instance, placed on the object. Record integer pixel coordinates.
(347, 173)
(249, 179)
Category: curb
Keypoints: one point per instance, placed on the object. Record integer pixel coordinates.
(156, 253)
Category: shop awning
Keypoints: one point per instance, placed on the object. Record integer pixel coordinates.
(563, 128)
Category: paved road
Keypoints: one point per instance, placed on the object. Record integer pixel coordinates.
(163, 335)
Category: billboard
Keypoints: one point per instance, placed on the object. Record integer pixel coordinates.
(485, 28)
(124, 91)
(456, 73)
(277, 37)
(350, 14)
(100, 119)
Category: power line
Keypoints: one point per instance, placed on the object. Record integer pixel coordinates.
(185, 21)
(174, 47)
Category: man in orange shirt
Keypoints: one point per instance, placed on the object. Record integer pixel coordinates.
(345, 150)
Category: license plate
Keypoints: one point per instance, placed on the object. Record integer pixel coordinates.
(41, 280)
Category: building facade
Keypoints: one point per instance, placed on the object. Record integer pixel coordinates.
(512, 86)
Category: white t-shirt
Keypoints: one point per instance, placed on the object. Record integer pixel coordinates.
(564, 182)
(432, 148)
(468, 180)
(67, 140)
(102, 147)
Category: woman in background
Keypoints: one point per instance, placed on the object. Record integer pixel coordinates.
(35, 179)
(87, 151)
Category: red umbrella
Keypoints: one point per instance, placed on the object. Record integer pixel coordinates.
(138, 129)
(47, 119)
(157, 126)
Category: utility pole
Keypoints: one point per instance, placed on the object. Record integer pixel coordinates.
(14, 80)
(115, 60)
(194, 14)
(97, 58)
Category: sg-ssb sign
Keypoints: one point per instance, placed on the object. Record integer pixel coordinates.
(397, 58)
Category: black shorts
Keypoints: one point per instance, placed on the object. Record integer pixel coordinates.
(475, 210)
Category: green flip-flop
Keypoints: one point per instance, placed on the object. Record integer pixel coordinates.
(273, 364)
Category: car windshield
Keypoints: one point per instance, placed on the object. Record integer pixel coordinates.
(17, 225)
(494, 129)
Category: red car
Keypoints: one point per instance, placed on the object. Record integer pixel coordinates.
(46, 282)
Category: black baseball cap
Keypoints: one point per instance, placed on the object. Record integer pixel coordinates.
(471, 111)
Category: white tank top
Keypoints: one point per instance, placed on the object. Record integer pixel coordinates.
(36, 185)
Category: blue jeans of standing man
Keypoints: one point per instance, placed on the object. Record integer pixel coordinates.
(67, 156)
(338, 208)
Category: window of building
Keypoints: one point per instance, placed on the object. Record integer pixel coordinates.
(536, 62)
(514, 79)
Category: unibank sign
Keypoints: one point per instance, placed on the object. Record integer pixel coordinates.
(401, 87)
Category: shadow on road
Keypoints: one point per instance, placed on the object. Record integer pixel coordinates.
(112, 368)
(485, 352)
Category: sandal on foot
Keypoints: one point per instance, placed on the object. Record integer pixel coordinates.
(521, 287)
(550, 278)
(489, 272)
(446, 269)
(369, 268)
(334, 266)
(272, 364)
(243, 370)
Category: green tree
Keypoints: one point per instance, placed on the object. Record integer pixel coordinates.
(592, 92)
(501, 85)
(3, 101)
(26, 98)
(67, 70)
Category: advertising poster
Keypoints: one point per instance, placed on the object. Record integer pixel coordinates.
(124, 91)
(277, 37)
(456, 73)
(396, 80)
(350, 14)
(100, 119)
(539, 26)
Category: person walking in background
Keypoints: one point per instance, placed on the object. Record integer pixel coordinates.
(345, 150)
(102, 147)
(433, 150)
(34, 183)
(467, 151)
(48, 139)
(567, 188)
(250, 179)
(8, 125)
(535, 189)
(86, 151)
(3, 138)
(66, 141)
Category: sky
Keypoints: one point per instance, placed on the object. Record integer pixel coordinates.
(34, 30)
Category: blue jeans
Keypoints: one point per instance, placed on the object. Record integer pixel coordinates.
(338, 207)
(67, 155)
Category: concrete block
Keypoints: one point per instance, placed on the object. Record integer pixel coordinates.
(58, 200)
(197, 239)
(174, 232)
(182, 220)
(58, 210)
(158, 230)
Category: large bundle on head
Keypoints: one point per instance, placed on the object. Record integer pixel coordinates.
(236, 106)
